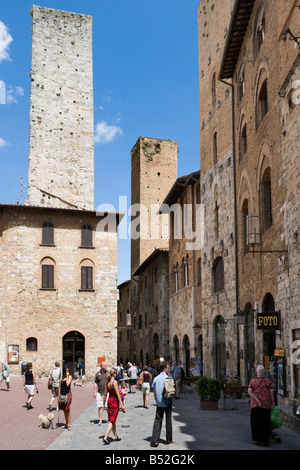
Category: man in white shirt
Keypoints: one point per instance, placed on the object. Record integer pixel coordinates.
(133, 375)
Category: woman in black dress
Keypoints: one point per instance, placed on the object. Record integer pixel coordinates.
(29, 385)
(65, 396)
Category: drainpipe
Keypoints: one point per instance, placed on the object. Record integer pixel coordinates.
(235, 223)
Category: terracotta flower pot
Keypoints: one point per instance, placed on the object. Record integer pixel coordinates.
(209, 405)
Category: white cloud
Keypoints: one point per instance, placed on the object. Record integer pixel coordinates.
(3, 143)
(5, 40)
(104, 133)
(13, 92)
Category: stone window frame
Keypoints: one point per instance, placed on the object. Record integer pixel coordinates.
(48, 272)
(259, 30)
(32, 344)
(48, 233)
(218, 281)
(265, 191)
(261, 95)
(87, 281)
(87, 236)
(242, 137)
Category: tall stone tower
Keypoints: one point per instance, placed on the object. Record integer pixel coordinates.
(153, 173)
(61, 136)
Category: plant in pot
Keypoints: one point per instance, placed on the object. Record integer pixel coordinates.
(209, 390)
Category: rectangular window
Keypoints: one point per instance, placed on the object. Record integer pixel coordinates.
(47, 276)
(86, 277)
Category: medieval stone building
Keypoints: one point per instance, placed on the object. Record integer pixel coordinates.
(58, 257)
(185, 318)
(261, 63)
(218, 260)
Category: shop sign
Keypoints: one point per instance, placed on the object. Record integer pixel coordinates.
(279, 352)
(269, 321)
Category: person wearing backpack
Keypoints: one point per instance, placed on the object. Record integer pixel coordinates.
(163, 390)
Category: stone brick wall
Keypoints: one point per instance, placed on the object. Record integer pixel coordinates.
(185, 293)
(27, 310)
(217, 189)
(153, 172)
(150, 309)
(124, 323)
(61, 128)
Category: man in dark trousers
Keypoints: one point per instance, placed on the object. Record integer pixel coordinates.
(163, 406)
(99, 389)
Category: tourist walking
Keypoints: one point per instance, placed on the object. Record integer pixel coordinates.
(262, 401)
(81, 374)
(133, 376)
(146, 379)
(99, 389)
(163, 406)
(55, 376)
(5, 375)
(29, 385)
(114, 402)
(65, 396)
(177, 379)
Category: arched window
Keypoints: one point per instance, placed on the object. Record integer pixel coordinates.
(47, 267)
(243, 141)
(266, 201)
(213, 90)
(186, 271)
(31, 344)
(259, 31)
(87, 275)
(86, 236)
(176, 278)
(262, 105)
(47, 233)
(199, 274)
(241, 82)
(218, 274)
(215, 148)
(244, 225)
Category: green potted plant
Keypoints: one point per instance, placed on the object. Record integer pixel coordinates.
(209, 390)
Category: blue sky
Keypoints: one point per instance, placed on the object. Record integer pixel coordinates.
(145, 63)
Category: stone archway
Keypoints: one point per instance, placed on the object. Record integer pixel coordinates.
(73, 347)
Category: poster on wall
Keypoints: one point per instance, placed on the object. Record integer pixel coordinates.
(13, 353)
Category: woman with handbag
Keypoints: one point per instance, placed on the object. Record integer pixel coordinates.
(262, 401)
(146, 380)
(65, 396)
(29, 385)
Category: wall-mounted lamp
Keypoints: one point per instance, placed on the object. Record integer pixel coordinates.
(253, 235)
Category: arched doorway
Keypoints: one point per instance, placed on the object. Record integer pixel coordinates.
(187, 353)
(220, 348)
(73, 349)
(176, 349)
(156, 347)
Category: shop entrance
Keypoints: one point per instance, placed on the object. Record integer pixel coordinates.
(73, 350)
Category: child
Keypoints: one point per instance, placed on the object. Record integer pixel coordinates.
(123, 392)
